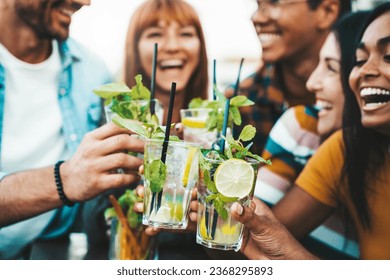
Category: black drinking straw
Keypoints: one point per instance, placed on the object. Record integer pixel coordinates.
(214, 79)
(227, 106)
(166, 138)
(169, 122)
(238, 78)
(153, 81)
(224, 127)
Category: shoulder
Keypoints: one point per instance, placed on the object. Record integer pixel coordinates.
(257, 78)
(306, 117)
(322, 176)
(330, 155)
(248, 84)
(299, 124)
(77, 49)
(84, 57)
(334, 143)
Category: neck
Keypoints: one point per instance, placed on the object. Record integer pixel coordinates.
(21, 40)
(163, 97)
(296, 71)
(294, 78)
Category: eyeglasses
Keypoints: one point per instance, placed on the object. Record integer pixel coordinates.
(273, 8)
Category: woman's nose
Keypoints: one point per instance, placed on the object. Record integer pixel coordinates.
(171, 43)
(313, 84)
(369, 69)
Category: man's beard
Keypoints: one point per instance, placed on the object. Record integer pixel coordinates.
(38, 17)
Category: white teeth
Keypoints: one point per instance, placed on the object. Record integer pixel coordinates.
(266, 37)
(171, 63)
(67, 12)
(373, 105)
(322, 104)
(374, 91)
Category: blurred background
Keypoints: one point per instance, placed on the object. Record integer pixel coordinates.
(228, 29)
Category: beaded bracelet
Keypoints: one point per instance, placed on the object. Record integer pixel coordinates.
(60, 189)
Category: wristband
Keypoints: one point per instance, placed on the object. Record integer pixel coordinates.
(60, 189)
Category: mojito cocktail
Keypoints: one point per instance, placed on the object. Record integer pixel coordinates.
(168, 186)
(225, 182)
(128, 240)
(195, 127)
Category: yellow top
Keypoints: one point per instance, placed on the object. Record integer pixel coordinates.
(321, 178)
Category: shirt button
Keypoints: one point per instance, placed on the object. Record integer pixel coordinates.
(73, 137)
(62, 91)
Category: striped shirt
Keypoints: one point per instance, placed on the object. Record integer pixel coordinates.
(292, 141)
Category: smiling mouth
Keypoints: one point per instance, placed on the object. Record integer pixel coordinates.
(268, 37)
(374, 97)
(171, 64)
(67, 12)
(323, 105)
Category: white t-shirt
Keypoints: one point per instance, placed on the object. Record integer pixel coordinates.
(32, 123)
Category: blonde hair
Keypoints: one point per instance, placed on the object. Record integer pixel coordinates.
(149, 14)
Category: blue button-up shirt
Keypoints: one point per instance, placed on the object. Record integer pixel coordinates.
(81, 111)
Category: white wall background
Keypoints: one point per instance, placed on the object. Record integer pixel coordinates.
(228, 30)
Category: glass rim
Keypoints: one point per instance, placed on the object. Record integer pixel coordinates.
(174, 143)
(195, 109)
(249, 160)
(137, 101)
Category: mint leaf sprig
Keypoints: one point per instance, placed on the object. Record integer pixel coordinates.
(127, 201)
(217, 199)
(120, 98)
(150, 130)
(215, 120)
(235, 150)
(155, 171)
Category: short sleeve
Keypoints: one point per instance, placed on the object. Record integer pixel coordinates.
(292, 141)
(321, 177)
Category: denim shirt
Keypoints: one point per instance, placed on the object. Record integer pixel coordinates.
(81, 111)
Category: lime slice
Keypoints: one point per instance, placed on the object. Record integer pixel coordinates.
(202, 229)
(163, 215)
(228, 229)
(231, 238)
(234, 178)
(176, 211)
(190, 166)
(194, 122)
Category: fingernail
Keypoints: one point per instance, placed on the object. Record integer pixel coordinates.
(140, 207)
(237, 208)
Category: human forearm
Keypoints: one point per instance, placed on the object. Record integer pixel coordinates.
(88, 173)
(266, 237)
(303, 217)
(26, 194)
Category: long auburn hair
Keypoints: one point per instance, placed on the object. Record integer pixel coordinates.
(365, 148)
(149, 14)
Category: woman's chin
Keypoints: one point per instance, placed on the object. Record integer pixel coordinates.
(180, 86)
